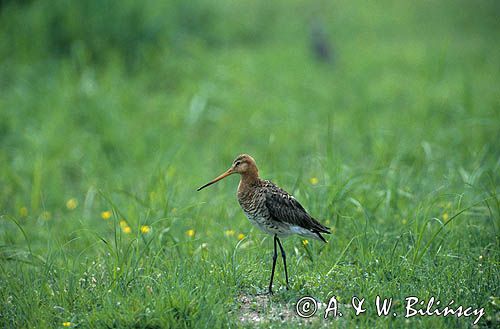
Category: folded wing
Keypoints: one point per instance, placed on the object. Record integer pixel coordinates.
(286, 209)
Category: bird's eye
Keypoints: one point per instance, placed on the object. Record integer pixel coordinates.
(237, 163)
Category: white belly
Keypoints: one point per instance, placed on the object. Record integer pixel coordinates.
(280, 229)
(270, 227)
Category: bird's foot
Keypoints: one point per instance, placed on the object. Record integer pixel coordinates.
(265, 293)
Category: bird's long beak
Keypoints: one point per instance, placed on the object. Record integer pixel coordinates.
(224, 175)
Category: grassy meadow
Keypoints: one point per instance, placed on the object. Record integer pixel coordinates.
(113, 112)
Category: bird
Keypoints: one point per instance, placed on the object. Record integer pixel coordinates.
(320, 46)
(270, 208)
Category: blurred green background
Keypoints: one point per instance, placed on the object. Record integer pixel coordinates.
(377, 115)
(95, 92)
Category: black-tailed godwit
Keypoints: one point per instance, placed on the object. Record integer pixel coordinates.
(271, 208)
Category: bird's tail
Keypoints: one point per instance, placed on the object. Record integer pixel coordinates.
(318, 234)
(320, 228)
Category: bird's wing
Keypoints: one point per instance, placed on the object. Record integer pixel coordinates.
(285, 208)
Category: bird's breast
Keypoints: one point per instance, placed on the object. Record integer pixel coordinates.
(250, 201)
(253, 204)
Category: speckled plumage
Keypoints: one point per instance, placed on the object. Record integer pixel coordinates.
(275, 211)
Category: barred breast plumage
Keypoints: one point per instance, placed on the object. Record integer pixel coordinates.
(275, 211)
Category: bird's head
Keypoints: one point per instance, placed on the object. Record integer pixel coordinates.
(244, 165)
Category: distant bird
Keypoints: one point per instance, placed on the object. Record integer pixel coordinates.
(270, 208)
(320, 46)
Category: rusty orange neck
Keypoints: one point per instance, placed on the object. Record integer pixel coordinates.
(248, 179)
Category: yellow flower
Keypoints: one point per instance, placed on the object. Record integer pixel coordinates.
(106, 214)
(66, 324)
(445, 216)
(229, 233)
(125, 227)
(404, 221)
(241, 236)
(314, 180)
(145, 229)
(46, 215)
(305, 243)
(190, 233)
(71, 204)
(23, 211)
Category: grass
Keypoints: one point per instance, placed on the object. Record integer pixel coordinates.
(394, 145)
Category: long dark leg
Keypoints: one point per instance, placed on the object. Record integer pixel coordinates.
(284, 261)
(275, 256)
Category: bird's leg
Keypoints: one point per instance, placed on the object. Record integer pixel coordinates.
(275, 256)
(284, 261)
